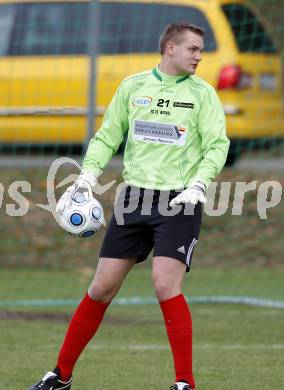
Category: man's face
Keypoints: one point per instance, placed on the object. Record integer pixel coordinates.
(186, 55)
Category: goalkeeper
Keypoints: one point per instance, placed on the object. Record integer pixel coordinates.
(176, 146)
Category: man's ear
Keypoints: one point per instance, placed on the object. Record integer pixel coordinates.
(170, 48)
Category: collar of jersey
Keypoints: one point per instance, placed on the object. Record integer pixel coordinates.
(166, 78)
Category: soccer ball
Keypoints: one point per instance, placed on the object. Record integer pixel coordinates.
(84, 216)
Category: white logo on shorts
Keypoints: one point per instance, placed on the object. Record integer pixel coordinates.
(181, 249)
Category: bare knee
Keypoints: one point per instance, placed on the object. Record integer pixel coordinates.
(167, 275)
(108, 278)
(102, 291)
(164, 289)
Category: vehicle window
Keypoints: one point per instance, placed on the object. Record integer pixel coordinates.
(249, 32)
(49, 29)
(136, 28)
(7, 15)
(62, 28)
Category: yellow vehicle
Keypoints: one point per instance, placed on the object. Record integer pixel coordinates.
(44, 64)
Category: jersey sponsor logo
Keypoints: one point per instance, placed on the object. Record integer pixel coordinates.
(183, 105)
(182, 129)
(159, 133)
(142, 101)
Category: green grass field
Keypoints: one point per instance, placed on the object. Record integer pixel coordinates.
(44, 272)
(235, 346)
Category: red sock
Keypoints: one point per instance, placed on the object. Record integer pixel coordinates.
(82, 328)
(179, 328)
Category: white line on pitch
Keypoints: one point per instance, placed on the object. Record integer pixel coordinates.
(146, 347)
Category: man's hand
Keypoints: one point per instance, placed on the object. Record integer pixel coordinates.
(193, 194)
(84, 183)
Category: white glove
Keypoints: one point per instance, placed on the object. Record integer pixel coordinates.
(84, 183)
(194, 193)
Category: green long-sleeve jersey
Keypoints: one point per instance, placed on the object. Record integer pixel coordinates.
(176, 131)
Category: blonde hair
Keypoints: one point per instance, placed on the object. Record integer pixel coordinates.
(174, 31)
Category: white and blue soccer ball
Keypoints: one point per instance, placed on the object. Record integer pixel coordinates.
(83, 217)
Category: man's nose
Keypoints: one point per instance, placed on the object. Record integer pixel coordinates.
(198, 56)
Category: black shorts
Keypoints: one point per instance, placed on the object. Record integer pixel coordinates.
(142, 220)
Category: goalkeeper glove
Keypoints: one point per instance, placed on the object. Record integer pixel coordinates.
(194, 193)
(84, 183)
